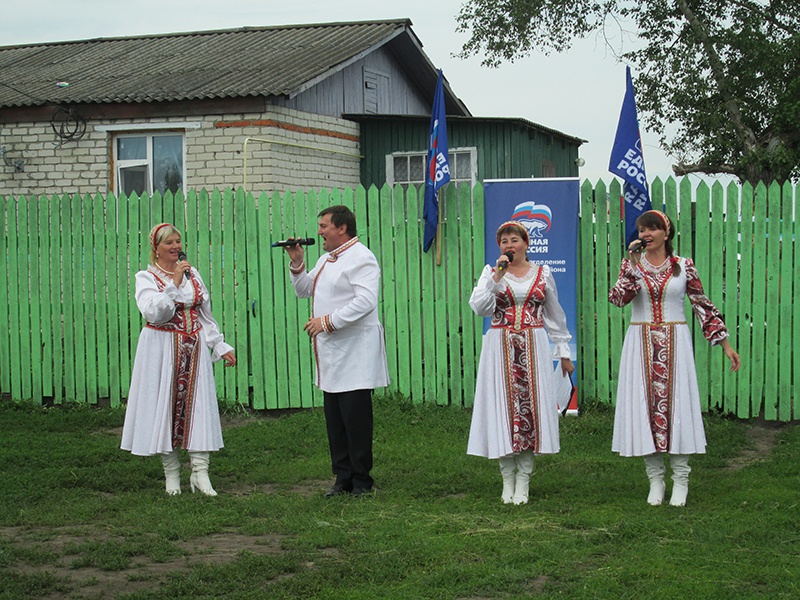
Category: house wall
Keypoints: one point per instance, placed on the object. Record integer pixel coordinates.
(345, 92)
(505, 149)
(291, 150)
(287, 150)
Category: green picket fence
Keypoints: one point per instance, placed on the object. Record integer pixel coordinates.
(69, 264)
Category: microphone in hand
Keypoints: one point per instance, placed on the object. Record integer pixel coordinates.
(295, 242)
(187, 272)
(504, 263)
(639, 247)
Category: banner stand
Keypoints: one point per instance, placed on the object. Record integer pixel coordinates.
(549, 210)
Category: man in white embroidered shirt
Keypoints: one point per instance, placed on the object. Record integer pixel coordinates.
(348, 342)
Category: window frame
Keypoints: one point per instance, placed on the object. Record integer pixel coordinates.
(149, 130)
(148, 162)
(472, 151)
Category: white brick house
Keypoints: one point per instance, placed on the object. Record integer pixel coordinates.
(255, 107)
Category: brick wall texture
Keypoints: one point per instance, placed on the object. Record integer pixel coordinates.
(282, 150)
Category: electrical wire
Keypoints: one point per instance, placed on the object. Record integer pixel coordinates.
(67, 124)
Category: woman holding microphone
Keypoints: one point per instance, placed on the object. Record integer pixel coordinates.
(658, 401)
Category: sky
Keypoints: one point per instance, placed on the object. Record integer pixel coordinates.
(578, 93)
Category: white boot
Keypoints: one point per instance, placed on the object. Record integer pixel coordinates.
(199, 477)
(507, 468)
(680, 478)
(654, 466)
(172, 472)
(524, 462)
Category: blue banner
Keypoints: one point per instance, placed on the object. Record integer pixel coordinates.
(437, 172)
(627, 162)
(549, 210)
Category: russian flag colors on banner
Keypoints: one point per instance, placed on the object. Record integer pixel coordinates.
(437, 171)
(627, 162)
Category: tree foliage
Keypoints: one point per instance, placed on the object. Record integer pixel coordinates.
(727, 72)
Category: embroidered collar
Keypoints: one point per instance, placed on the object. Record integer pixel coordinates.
(656, 269)
(525, 277)
(334, 254)
(160, 273)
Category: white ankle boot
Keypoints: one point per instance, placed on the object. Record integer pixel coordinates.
(172, 472)
(524, 462)
(654, 466)
(199, 479)
(680, 478)
(508, 466)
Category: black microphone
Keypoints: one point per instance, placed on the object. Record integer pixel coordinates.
(640, 246)
(297, 242)
(504, 263)
(182, 256)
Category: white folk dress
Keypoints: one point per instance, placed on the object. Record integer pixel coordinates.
(658, 401)
(172, 401)
(344, 284)
(515, 406)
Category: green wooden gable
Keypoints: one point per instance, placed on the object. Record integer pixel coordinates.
(505, 147)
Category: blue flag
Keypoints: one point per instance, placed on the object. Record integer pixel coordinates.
(437, 171)
(627, 162)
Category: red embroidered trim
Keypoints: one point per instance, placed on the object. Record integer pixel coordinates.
(327, 324)
(656, 285)
(659, 354)
(520, 377)
(186, 356)
(333, 255)
(528, 314)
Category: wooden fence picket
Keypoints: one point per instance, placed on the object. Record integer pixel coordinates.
(795, 277)
(786, 295)
(68, 264)
(759, 307)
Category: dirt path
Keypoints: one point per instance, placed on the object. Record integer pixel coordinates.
(762, 437)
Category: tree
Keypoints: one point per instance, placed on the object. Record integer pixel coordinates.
(727, 72)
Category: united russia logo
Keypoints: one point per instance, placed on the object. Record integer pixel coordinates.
(537, 219)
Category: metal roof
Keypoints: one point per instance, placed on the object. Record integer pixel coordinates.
(249, 61)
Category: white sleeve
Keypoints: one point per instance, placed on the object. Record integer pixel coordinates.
(555, 319)
(484, 297)
(156, 306)
(303, 282)
(214, 338)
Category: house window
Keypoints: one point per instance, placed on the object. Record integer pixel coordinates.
(404, 168)
(548, 168)
(146, 163)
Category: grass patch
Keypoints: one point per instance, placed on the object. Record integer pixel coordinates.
(80, 518)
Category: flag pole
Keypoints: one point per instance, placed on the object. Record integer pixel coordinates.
(627, 161)
(439, 237)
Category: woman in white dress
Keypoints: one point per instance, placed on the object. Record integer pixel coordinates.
(515, 414)
(172, 402)
(658, 401)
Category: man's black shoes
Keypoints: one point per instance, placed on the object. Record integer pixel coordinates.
(337, 490)
(340, 490)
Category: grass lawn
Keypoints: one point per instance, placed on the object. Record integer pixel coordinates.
(80, 518)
